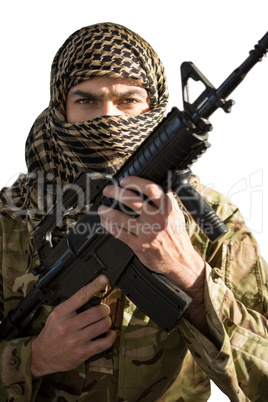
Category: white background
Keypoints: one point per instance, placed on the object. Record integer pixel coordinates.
(216, 36)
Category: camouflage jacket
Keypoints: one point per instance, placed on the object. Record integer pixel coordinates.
(146, 363)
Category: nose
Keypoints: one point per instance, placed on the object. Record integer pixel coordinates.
(108, 108)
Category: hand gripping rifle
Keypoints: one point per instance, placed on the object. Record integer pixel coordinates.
(88, 249)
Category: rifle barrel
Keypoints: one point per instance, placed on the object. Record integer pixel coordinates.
(232, 81)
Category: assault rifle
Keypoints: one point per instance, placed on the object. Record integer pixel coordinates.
(88, 249)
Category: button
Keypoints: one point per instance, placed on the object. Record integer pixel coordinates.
(14, 362)
(18, 389)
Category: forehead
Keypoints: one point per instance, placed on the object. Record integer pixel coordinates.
(105, 83)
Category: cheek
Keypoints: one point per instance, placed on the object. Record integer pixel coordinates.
(143, 107)
(69, 112)
(76, 113)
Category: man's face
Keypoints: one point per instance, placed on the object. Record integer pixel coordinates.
(105, 96)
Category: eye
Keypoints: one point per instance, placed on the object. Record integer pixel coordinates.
(130, 101)
(84, 101)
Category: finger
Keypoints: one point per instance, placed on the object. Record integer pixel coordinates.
(121, 226)
(91, 316)
(83, 295)
(151, 202)
(127, 198)
(140, 185)
(101, 344)
(153, 192)
(95, 329)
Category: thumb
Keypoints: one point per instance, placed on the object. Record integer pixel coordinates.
(83, 295)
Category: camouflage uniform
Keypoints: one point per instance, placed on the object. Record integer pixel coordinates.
(146, 363)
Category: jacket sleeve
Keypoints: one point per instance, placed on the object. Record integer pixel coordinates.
(236, 300)
(16, 379)
(16, 382)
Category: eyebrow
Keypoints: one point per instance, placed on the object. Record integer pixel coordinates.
(99, 96)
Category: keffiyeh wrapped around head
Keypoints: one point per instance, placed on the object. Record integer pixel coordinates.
(56, 151)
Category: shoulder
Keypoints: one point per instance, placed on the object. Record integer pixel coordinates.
(13, 232)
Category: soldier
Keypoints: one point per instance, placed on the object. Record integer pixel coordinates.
(108, 92)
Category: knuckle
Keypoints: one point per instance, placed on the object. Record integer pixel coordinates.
(114, 214)
(73, 344)
(87, 291)
(107, 322)
(97, 313)
(54, 316)
(99, 347)
(161, 222)
(109, 339)
(62, 330)
(104, 310)
(79, 354)
(101, 327)
(83, 294)
(153, 191)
